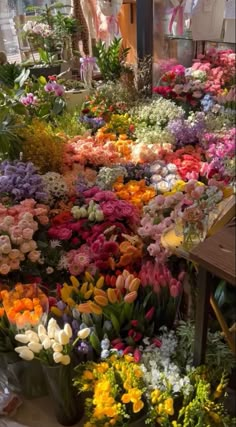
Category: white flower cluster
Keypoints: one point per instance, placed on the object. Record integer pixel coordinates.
(153, 135)
(55, 186)
(164, 177)
(157, 113)
(92, 212)
(32, 28)
(160, 370)
(196, 74)
(52, 338)
(108, 176)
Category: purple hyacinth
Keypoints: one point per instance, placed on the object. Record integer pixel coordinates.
(20, 181)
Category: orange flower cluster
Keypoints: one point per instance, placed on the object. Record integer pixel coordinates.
(24, 305)
(130, 252)
(136, 192)
(123, 145)
(102, 136)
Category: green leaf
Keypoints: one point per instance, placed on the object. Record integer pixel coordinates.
(115, 324)
(95, 343)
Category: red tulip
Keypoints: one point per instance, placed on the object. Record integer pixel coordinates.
(137, 355)
(128, 350)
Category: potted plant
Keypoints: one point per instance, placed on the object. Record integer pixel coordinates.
(111, 59)
(50, 35)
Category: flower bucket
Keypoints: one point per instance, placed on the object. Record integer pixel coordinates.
(139, 422)
(74, 99)
(68, 407)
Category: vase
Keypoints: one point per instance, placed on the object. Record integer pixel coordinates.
(68, 407)
(25, 377)
(140, 422)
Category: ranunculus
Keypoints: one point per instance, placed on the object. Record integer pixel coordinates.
(34, 256)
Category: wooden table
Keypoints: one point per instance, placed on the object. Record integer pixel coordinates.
(215, 257)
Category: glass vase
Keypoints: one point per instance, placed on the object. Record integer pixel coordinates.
(68, 407)
(25, 377)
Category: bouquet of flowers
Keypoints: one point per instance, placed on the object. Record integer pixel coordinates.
(117, 389)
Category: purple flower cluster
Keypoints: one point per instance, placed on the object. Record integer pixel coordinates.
(137, 172)
(21, 181)
(92, 122)
(187, 132)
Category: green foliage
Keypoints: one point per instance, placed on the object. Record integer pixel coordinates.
(111, 59)
(218, 355)
(10, 143)
(10, 123)
(8, 74)
(69, 124)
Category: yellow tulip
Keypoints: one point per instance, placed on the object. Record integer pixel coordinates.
(134, 285)
(88, 294)
(100, 282)
(56, 311)
(101, 300)
(111, 293)
(84, 288)
(99, 292)
(75, 282)
(89, 277)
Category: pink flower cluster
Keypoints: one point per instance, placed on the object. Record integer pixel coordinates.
(219, 66)
(159, 276)
(78, 260)
(188, 161)
(86, 151)
(17, 226)
(29, 99)
(157, 221)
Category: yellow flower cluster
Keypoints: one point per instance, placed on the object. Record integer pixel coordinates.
(163, 405)
(42, 147)
(179, 186)
(117, 390)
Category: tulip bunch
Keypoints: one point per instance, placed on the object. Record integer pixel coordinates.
(136, 192)
(50, 345)
(25, 306)
(125, 290)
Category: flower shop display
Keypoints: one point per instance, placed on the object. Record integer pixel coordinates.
(90, 292)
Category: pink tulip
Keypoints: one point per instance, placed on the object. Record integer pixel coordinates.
(156, 342)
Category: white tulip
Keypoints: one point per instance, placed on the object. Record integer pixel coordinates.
(57, 357)
(46, 343)
(65, 360)
(83, 212)
(26, 354)
(91, 216)
(24, 339)
(35, 347)
(41, 331)
(57, 347)
(63, 338)
(21, 348)
(83, 333)
(99, 215)
(33, 337)
(68, 330)
(43, 337)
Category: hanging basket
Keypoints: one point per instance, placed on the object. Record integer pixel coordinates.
(110, 7)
